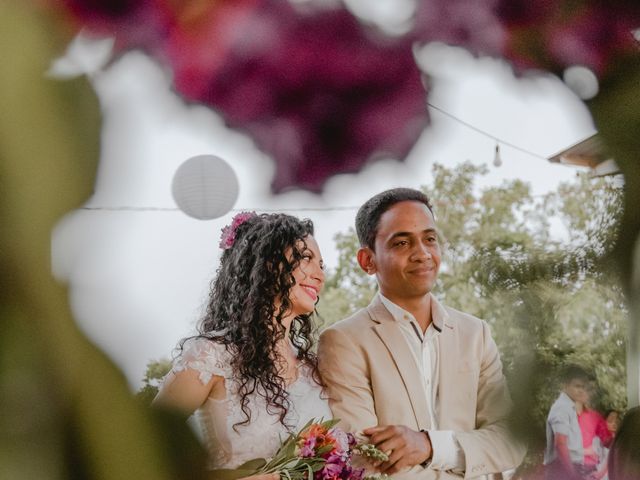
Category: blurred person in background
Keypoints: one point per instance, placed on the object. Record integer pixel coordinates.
(612, 420)
(624, 457)
(612, 417)
(596, 437)
(564, 454)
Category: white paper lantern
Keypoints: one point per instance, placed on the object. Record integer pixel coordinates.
(205, 187)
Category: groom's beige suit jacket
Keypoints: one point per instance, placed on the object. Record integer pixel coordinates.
(373, 379)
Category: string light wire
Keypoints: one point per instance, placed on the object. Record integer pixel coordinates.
(174, 209)
(321, 209)
(486, 134)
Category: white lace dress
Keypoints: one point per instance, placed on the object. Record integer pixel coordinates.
(229, 448)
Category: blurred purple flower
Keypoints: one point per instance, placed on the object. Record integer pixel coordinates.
(549, 34)
(142, 24)
(321, 93)
(555, 34)
(469, 23)
(315, 90)
(101, 12)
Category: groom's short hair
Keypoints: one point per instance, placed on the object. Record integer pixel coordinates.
(369, 214)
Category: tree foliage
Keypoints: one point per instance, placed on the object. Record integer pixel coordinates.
(156, 370)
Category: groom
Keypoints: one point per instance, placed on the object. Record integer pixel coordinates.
(422, 380)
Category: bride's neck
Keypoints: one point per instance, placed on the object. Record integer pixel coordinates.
(284, 345)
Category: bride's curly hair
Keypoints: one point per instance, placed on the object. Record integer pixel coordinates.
(241, 313)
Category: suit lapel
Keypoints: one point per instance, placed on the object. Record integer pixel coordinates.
(393, 338)
(449, 358)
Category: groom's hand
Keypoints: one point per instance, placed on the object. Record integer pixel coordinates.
(404, 446)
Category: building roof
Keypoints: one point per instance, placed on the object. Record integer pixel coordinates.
(591, 153)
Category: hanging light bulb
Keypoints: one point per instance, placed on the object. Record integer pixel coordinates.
(497, 161)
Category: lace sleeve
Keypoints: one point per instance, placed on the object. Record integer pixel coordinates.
(205, 357)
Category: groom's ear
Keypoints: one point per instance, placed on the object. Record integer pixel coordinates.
(366, 260)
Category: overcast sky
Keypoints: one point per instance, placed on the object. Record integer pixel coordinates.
(138, 280)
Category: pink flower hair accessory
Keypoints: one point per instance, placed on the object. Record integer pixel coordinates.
(228, 235)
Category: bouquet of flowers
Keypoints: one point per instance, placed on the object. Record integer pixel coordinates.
(320, 451)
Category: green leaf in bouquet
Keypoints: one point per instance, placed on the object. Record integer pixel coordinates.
(255, 464)
(310, 471)
(286, 475)
(278, 463)
(322, 450)
(316, 464)
(286, 451)
(288, 448)
(291, 449)
(331, 423)
(291, 464)
(309, 423)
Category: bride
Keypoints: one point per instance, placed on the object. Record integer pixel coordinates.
(250, 374)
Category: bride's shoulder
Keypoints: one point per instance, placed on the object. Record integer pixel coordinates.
(205, 356)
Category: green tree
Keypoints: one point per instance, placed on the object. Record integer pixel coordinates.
(348, 288)
(156, 370)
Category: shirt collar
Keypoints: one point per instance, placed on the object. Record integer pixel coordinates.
(399, 314)
(566, 400)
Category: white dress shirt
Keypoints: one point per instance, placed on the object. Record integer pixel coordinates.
(447, 453)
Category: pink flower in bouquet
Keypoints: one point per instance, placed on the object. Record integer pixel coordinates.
(308, 449)
(333, 447)
(342, 439)
(338, 466)
(317, 449)
(350, 473)
(318, 437)
(332, 469)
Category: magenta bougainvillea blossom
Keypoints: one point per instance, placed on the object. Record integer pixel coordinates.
(323, 94)
(473, 24)
(555, 34)
(316, 90)
(540, 34)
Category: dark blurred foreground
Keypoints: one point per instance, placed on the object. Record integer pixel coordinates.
(66, 410)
